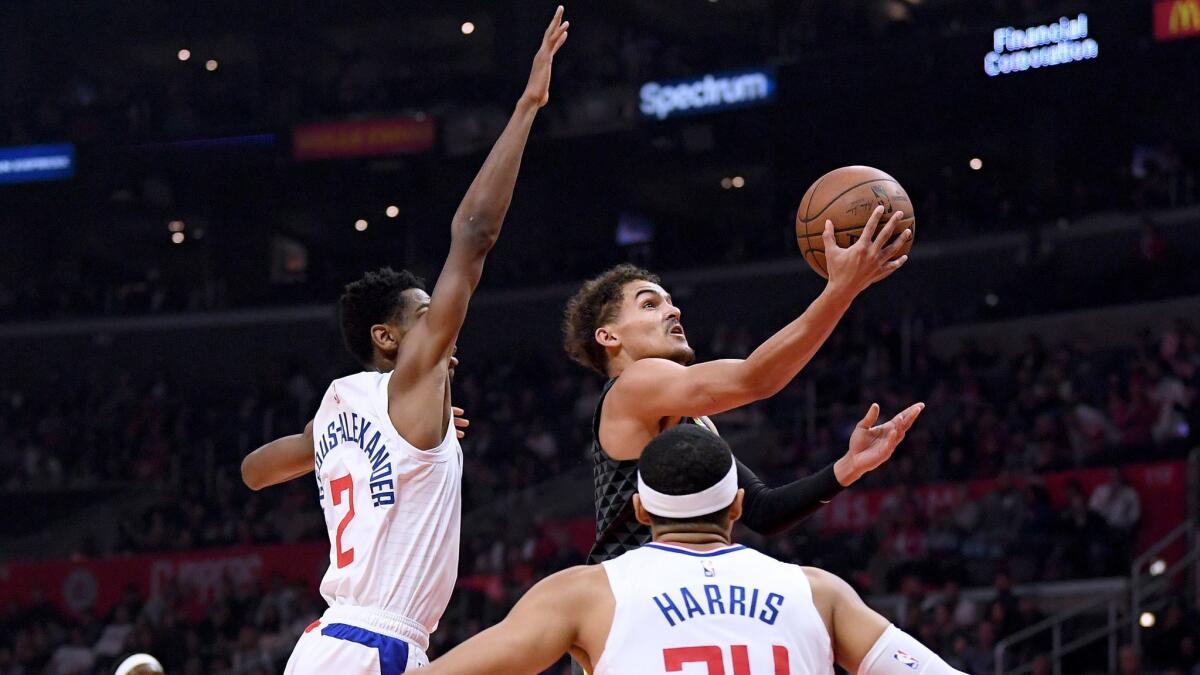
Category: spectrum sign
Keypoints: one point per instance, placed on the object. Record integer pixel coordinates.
(706, 93)
(36, 163)
(1016, 50)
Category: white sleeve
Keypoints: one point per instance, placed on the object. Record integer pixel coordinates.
(898, 653)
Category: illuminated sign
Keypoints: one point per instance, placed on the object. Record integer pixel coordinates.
(1015, 50)
(329, 140)
(34, 163)
(1174, 19)
(708, 93)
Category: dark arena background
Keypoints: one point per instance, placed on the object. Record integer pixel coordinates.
(185, 188)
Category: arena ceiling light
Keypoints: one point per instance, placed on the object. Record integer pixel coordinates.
(467, 28)
(177, 237)
(360, 225)
(393, 211)
(184, 55)
(211, 65)
(975, 164)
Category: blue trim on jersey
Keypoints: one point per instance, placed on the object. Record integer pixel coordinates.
(393, 652)
(696, 554)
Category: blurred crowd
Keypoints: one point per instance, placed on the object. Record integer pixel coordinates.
(1051, 407)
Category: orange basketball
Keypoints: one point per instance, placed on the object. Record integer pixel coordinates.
(847, 196)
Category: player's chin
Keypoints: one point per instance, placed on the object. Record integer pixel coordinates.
(683, 354)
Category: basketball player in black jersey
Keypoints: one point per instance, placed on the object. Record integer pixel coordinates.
(624, 325)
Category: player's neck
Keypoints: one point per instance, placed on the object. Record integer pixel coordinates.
(701, 540)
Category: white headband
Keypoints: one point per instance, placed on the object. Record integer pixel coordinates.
(138, 660)
(700, 503)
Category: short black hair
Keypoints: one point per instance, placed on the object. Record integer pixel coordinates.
(375, 298)
(684, 460)
(595, 304)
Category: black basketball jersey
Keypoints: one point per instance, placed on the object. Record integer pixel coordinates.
(614, 483)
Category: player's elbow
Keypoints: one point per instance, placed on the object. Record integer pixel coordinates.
(477, 233)
(252, 478)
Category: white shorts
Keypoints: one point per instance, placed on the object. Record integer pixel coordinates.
(333, 644)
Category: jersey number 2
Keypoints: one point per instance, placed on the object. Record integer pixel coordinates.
(711, 656)
(340, 485)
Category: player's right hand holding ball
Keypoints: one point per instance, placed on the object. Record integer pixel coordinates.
(870, 258)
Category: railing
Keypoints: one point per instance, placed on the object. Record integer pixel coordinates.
(1151, 578)
(1111, 605)
(1151, 582)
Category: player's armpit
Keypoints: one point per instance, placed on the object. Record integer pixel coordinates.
(543, 626)
(279, 461)
(655, 388)
(853, 626)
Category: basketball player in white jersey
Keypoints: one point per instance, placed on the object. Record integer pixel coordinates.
(691, 601)
(388, 463)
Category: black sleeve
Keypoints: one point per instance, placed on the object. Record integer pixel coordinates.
(769, 511)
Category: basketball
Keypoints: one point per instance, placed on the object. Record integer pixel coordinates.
(847, 196)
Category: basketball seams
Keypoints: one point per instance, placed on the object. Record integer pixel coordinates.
(806, 220)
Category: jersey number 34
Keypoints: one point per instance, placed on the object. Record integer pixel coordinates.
(712, 656)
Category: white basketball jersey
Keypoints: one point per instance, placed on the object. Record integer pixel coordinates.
(392, 511)
(732, 611)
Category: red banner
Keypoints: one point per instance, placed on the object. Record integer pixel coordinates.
(97, 585)
(1175, 19)
(362, 139)
(1161, 486)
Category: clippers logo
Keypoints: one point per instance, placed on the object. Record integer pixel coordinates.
(905, 659)
(1175, 19)
(709, 570)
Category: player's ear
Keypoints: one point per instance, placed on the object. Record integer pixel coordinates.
(606, 337)
(384, 337)
(639, 511)
(735, 509)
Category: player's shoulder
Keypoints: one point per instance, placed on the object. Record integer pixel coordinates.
(646, 372)
(581, 583)
(827, 587)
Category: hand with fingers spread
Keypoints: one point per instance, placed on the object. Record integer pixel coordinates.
(872, 445)
(538, 89)
(868, 259)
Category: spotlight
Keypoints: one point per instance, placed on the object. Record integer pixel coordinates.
(360, 225)
(177, 238)
(175, 226)
(726, 182)
(468, 28)
(1147, 620)
(738, 182)
(976, 164)
(184, 55)
(393, 211)
(211, 65)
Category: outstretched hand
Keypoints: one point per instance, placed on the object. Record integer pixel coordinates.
(538, 89)
(872, 445)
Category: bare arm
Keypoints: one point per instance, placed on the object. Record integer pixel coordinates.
(477, 223)
(543, 626)
(660, 388)
(853, 626)
(279, 461)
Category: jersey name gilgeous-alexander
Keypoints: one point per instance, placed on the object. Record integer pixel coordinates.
(352, 428)
(392, 511)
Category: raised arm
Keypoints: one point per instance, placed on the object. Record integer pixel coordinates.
(545, 624)
(657, 388)
(477, 222)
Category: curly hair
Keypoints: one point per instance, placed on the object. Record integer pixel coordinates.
(594, 305)
(375, 298)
